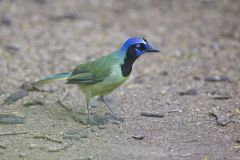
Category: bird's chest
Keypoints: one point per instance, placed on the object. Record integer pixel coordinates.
(114, 80)
(116, 77)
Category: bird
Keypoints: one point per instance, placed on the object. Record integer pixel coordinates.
(103, 75)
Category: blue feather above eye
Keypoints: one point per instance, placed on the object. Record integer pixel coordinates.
(132, 41)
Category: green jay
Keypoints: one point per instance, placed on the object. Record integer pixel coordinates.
(101, 76)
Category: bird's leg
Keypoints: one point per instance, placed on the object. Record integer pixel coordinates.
(66, 93)
(114, 115)
(107, 104)
(90, 118)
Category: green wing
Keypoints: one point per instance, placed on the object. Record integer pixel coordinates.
(92, 72)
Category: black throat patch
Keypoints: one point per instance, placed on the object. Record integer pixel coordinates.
(130, 58)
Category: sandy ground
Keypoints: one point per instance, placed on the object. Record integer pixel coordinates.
(198, 39)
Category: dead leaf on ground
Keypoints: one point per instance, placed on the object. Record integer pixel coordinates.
(138, 137)
(190, 92)
(217, 79)
(147, 114)
(222, 95)
(16, 96)
(11, 119)
(33, 103)
(68, 16)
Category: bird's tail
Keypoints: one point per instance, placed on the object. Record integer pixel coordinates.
(52, 78)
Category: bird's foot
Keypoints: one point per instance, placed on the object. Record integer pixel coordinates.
(92, 123)
(115, 117)
(95, 122)
(102, 121)
(98, 122)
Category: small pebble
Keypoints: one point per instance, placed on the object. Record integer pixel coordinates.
(165, 73)
(197, 78)
(175, 110)
(12, 47)
(84, 135)
(190, 92)
(32, 146)
(72, 137)
(6, 21)
(22, 155)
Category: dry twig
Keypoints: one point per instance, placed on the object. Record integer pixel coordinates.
(13, 133)
(60, 148)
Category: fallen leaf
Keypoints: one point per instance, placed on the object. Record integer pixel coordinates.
(217, 79)
(190, 92)
(16, 96)
(11, 119)
(138, 137)
(147, 114)
(222, 119)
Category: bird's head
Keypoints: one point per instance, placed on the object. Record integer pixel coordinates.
(131, 50)
(137, 46)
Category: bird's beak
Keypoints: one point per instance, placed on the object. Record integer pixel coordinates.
(152, 50)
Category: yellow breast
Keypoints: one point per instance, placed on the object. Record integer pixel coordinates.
(114, 80)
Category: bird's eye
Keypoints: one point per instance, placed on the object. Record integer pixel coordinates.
(140, 47)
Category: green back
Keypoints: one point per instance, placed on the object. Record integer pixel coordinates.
(94, 71)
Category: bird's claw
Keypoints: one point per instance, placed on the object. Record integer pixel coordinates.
(93, 128)
(93, 125)
(116, 117)
(91, 121)
(97, 121)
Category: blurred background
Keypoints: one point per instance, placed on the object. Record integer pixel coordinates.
(197, 39)
(52, 36)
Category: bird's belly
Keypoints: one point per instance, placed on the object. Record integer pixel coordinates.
(107, 86)
(114, 80)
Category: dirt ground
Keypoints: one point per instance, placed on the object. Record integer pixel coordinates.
(199, 41)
